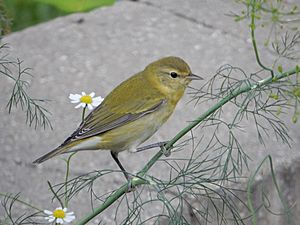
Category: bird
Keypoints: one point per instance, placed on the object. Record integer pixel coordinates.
(132, 112)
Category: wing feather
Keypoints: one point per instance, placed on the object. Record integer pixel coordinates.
(116, 120)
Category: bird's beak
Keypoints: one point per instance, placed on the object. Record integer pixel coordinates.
(194, 77)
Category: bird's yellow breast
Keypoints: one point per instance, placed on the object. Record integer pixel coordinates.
(131, 135)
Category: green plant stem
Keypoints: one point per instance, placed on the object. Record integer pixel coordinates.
(112, 198)
(21, 201)
(66, 179)
(252, 27)
(287, 211)
(83, 113)
(139, 180)
(68, 163)
(55, 194)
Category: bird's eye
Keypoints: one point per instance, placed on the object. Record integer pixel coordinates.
(174, 74)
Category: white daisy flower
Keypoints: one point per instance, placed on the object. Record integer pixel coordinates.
(85, 100)
(59, 215)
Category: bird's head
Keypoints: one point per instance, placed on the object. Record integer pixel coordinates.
(171, 75)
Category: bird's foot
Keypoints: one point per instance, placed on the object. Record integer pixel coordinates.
(166, 152)
(130, 187)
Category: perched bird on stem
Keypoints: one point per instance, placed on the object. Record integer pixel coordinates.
(132, 112)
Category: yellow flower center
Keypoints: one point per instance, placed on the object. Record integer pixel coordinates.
(59, 213)
(86, 99)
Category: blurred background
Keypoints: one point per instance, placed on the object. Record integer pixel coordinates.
(16, 15)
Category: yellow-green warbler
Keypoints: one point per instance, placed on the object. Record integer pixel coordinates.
(132, 112)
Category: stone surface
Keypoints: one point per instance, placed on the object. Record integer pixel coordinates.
(104, 48)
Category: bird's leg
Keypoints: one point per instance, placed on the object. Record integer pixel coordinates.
(115, 157)
(161, 145)
(155, 145)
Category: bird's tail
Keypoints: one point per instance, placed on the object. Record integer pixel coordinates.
(57, 151)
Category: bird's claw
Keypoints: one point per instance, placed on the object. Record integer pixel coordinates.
(166, 152)
(130, 186)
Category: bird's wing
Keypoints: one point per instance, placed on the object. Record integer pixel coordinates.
(122, 106)
(105, 120)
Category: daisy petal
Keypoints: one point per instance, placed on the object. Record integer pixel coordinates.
(51, 219)
(80, 105)
(65, 209)
(59, 220)
(75, 101)
(47, 218)
(68, 219)
(48, 212)
(92, 94)
(100, 99)
(74, 96)
(83, 93)
(90, 106)
(95, 104)
(97, 101)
